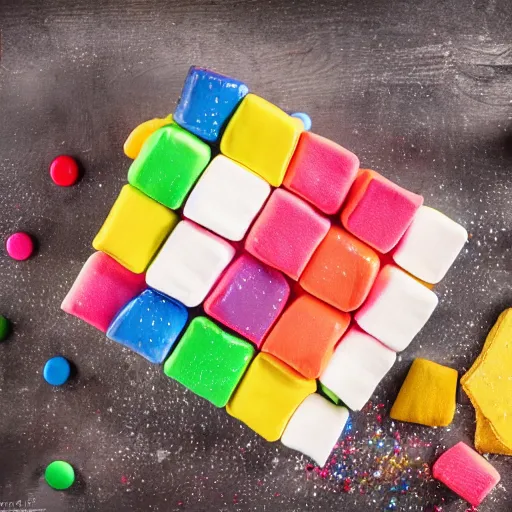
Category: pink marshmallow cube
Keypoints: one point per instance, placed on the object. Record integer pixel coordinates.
(321, 172)
(287, 233)
(103, 287)
(466, 473)
(378, 211)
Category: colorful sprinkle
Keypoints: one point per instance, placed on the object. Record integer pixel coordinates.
(377, 461)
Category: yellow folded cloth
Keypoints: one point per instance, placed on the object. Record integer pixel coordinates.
(485, 438)
(488, 383)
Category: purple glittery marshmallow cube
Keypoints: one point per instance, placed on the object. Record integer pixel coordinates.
(249, 298)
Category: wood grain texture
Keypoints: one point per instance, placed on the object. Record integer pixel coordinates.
(419, 90)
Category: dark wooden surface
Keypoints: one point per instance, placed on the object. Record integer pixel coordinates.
(421, 91)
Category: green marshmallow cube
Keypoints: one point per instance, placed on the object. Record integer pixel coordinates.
(209, 361)
(169, 163)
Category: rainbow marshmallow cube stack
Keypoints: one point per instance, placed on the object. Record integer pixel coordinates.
(279, 239)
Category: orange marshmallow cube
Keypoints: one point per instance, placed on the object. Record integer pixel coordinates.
(342, 270)
(306, 334)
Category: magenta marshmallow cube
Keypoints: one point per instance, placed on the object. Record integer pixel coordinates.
(103, 287)
(286, 233)
(379, 211)
(249, 298)
(321, 172)
(466, 473)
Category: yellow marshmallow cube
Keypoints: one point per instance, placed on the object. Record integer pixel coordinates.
(427, 395)
(134, 229)
(268, 395)
(262, 137)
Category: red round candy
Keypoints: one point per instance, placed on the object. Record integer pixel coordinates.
(64, 171)
(20, 246)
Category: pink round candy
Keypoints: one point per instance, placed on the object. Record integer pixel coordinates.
(20, 246)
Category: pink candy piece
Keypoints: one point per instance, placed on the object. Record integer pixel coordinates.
(321, 172)
(466, 473)
(101, 289)
(378, 211)
(20, 246)
(287, 233)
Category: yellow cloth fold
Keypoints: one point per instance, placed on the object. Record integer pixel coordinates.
(488, 383)
(485, 438)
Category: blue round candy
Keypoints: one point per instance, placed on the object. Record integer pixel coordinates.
(56, 371)
(306, 120)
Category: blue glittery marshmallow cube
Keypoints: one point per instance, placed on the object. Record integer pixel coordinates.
(150, 324)
(207, 102)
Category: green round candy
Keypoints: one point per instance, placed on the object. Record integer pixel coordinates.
(5, 327)
(60, 475)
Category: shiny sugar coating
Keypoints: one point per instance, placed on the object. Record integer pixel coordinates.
(207, 101)
(150, 325)
(209, 361)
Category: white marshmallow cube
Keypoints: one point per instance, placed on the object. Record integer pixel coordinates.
(357, 366)
(430, 245)
(189, 263)
(315, 427)
(227, 198)
(396, 309)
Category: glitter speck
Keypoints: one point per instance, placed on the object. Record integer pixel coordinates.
(376, 460)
